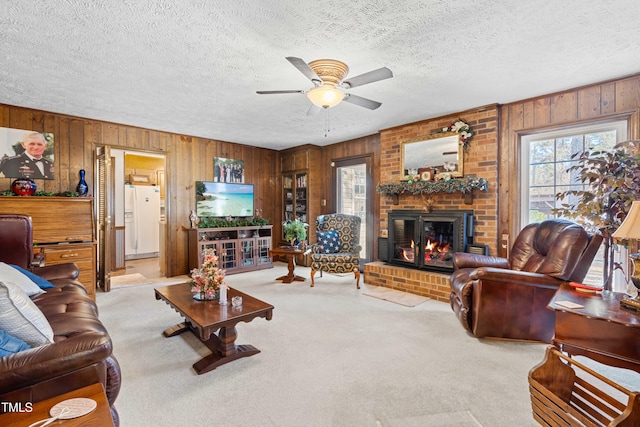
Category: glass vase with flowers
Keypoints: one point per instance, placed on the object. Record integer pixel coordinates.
(207, 280)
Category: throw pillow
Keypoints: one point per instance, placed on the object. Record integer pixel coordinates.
(42, 283)
(10, 344)
(21, 317)
(10, 274)
(330, 241)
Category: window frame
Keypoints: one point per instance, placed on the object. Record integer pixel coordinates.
(620, 125)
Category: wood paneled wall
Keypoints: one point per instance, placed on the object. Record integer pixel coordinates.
(188, 159)
(598, 102)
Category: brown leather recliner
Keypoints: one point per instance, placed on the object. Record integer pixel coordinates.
(508, 298)
(82, 350)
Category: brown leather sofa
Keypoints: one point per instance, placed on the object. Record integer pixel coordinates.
(507, 298)
(82, 350)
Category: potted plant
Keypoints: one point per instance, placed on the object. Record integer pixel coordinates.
(295, 232)
(612, 180)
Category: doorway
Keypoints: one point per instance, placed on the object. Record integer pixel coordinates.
(131, 216)
(353, 185)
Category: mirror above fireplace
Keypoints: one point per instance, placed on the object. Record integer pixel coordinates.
(442, 152)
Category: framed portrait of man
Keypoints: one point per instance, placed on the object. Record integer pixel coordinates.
(26, 154)
(228, 170)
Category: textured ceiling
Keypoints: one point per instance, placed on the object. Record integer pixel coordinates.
(193, 67)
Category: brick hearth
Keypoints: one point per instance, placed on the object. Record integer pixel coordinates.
(419, 282)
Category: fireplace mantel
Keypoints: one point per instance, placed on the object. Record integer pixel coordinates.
(453, 185)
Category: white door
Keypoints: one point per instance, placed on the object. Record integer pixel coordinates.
(148, 220)
(130, 230)
(141, 221)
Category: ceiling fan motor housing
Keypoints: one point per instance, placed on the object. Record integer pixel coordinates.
(329, 70)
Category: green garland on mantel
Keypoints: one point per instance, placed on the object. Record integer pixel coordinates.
(453, 185)
(40, 193)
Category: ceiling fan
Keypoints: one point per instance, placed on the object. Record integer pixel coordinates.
(329, 83)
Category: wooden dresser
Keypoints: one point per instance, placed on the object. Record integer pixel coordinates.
(63, 229)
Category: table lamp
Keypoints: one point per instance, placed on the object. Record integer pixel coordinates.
(629, 230)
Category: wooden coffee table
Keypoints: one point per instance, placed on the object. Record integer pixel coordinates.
(204, 318)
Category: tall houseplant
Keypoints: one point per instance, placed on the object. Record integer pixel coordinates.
(612, 180)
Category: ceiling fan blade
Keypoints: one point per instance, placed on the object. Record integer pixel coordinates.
(313, 110)
(271, 92)
(362, 102)
(366, 78)
(304, 68)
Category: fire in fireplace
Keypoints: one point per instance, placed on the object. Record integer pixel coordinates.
(428, 241)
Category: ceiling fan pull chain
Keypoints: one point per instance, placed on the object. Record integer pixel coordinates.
(327, 124)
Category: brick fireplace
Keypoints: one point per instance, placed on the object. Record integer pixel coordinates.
(480, 160)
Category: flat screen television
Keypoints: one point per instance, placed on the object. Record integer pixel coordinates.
(222, 199)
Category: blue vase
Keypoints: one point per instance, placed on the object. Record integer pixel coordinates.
(82, 188)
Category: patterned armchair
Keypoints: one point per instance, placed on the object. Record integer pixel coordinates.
(338, 247)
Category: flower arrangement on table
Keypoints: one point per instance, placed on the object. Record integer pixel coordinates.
(207, 280)
(462, 128)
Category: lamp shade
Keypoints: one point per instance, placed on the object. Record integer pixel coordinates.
(630, 227)
(325, 96)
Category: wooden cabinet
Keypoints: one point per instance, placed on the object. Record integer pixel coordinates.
(238, 249)
(63, 229)
(83, 254)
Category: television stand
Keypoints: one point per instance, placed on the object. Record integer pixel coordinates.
(239, 249)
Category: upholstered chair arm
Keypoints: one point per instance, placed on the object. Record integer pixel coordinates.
(467, 260)
(512, 304)
(36, 365)
(67, 270)
(499, 275)
(461, 296)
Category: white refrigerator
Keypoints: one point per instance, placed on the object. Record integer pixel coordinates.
(141, 221)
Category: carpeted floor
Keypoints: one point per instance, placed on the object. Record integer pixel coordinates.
(393, 295)
(137, 279)
(331, 356)
(129, 280)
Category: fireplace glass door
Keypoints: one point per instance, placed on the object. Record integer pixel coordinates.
(438, 242)
(428, 240)
(404, 241)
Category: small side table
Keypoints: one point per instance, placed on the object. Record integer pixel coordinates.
(291, 254)
(101, 416)
(600, 329)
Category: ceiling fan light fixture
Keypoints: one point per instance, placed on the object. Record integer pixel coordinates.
(325, 96)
